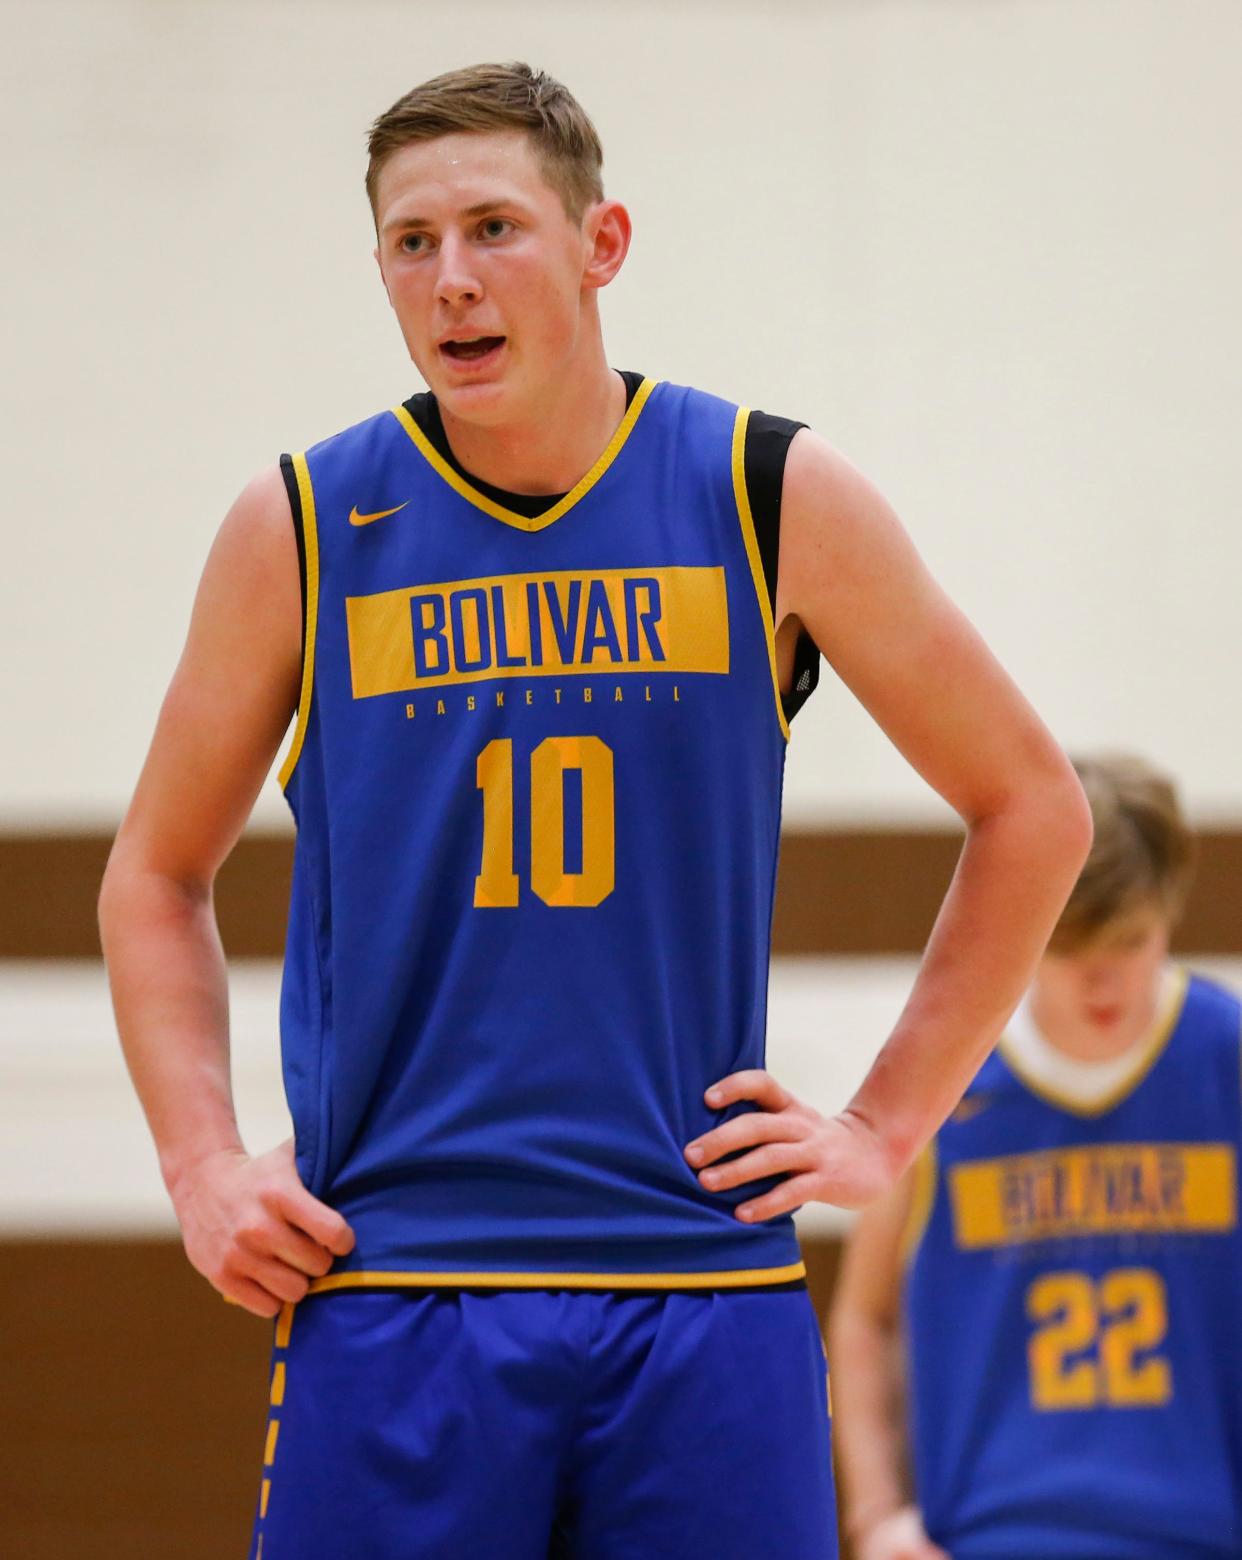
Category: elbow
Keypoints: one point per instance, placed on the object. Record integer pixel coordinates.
(134, 889)
(1046, 815)
(110, 887)
(111, 900)
(1066, 816)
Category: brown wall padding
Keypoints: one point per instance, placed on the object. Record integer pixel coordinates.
(840, 891)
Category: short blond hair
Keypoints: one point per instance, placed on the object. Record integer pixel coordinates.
(1143, 852)
(480, 98)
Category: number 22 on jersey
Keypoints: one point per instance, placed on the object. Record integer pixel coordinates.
(497, 885)
(1108, 1321)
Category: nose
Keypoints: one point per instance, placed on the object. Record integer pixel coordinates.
(456, 282)
(1101, 980)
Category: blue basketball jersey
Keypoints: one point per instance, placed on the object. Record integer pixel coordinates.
(536, 775)
(1073, 1306)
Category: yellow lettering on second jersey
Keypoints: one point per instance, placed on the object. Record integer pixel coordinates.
(1107, 1188)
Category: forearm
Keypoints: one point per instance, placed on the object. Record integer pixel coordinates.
(169, 984)
(1014, 875)
(867, 1418)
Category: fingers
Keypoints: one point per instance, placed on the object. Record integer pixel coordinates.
(323, 1224)
(255, 1232)
(274, 1256)
(752, 1084)
(286, 1283)
(772, 1159)
(756, 1126)
(790, 1194)
(299, 1251)
(273, 1237)
(252, 1297)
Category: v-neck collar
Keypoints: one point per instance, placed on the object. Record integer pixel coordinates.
(510, 516)
(1146, 1057)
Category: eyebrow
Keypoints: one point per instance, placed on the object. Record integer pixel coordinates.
(482, 208)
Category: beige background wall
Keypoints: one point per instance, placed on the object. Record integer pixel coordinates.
(990, 247)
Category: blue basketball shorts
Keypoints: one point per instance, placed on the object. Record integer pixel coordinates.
(547, 1425)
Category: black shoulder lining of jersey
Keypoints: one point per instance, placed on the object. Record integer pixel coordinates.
(767, 446)
(295, 506)
(805, 675)
(539, 1289)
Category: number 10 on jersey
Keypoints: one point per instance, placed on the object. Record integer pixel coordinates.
(497, 885)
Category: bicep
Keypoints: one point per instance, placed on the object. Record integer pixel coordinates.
(853, 577)
(230, 699)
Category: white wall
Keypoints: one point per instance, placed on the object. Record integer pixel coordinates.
(991, 247)
(68, 1101)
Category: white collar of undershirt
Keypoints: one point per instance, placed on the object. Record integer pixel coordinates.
(1088, 1086)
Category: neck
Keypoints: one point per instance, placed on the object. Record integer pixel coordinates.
(554, 443)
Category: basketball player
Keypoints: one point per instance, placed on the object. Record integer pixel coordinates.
(1065, 1261)
(543, 646)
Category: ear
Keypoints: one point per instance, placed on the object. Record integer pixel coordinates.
(607, 230)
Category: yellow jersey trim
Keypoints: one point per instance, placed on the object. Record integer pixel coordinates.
(922, 1201)
(731, 1278)
(310, 537)
(1148, 1056)
(284, 1325)
(509, 516)
(747, 522)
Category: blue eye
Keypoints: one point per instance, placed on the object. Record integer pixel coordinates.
(412, 243)
(495, 227)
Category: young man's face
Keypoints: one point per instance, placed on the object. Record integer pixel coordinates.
(1096, 1001)
(485, 269)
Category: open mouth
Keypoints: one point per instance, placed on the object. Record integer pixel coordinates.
(471, 351)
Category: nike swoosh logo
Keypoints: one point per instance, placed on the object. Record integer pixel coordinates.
(356, 519)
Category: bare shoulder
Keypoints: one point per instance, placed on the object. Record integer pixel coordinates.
(819, 477)
(257, 532)
(838, 531)
(249, 592)
(848, 570)
(855, 580)
(232, 694)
